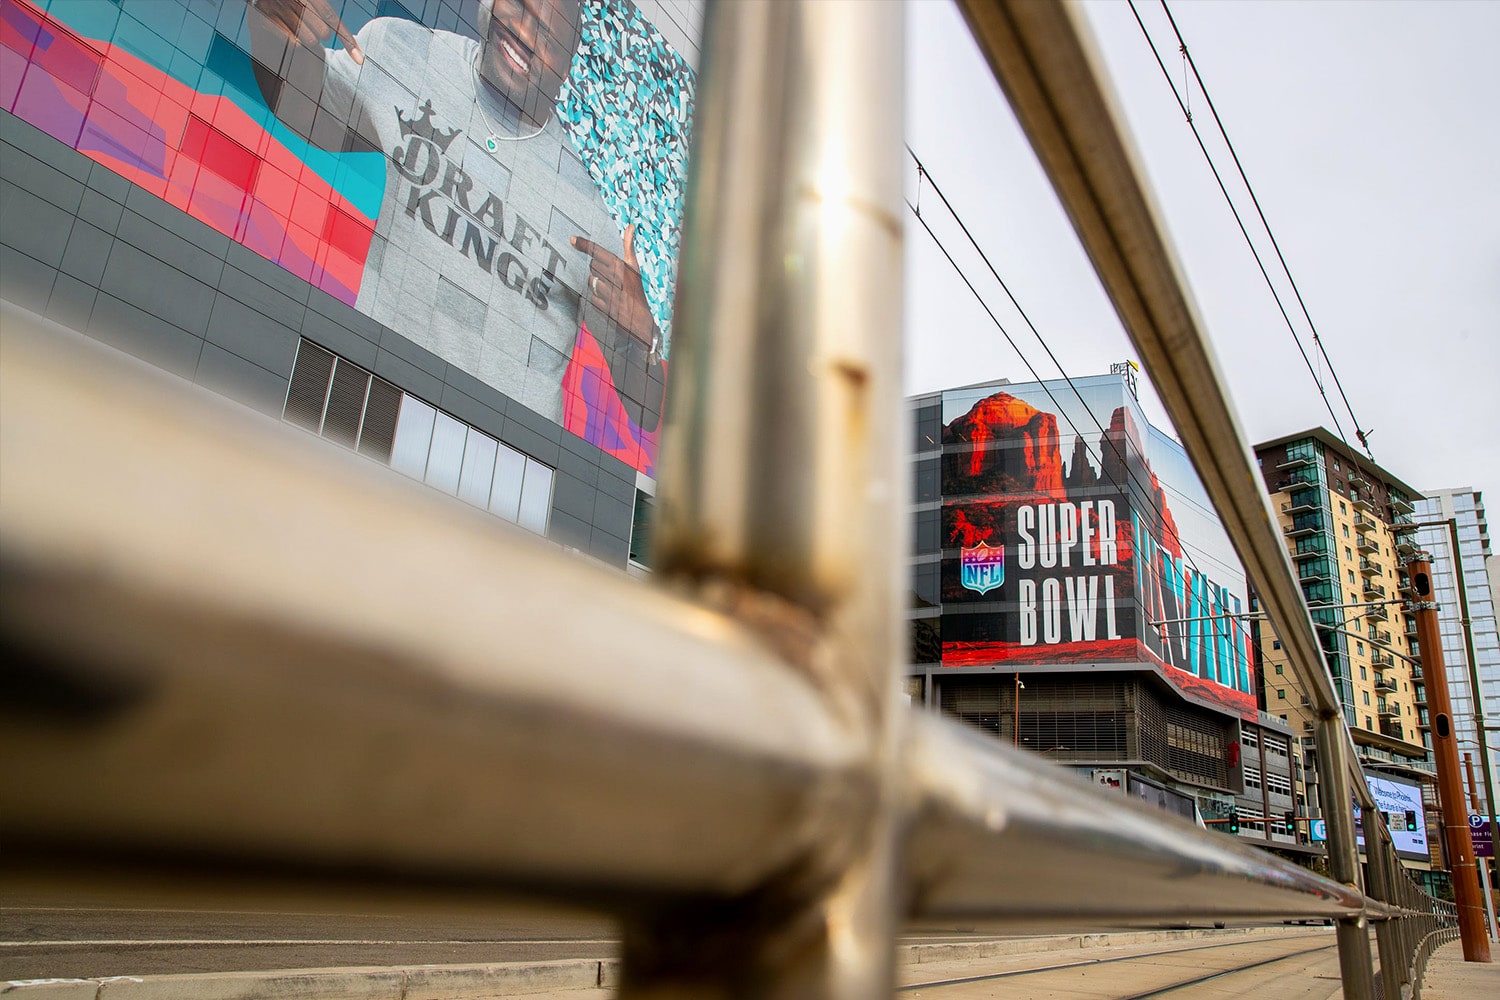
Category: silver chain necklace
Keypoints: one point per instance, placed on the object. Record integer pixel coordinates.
(494, 139)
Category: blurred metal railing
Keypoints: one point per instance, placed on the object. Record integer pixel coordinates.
(226, 643)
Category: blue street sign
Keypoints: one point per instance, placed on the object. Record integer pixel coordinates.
(1317, 830)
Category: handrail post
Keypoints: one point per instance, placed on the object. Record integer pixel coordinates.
(1343, 856)
(783, 494)
(1378, 851)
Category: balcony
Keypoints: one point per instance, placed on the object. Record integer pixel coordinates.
(1378, 612)
(1298, 462)
(1389, 710)
(1367, 568)
(1403, 584)
(1311, 552)
(1361, 501)
(1374, 592)
(1402, 526)
(1392, 729)
(1410, 627)
(1385, 684)
(1406, 544)
(1364, 522)
(1400, 505)
(1357, 481)
(1302, 502)
(1381, 636)
(1367, 544)
(1299, 528)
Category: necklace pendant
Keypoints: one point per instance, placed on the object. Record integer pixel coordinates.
(492, 144)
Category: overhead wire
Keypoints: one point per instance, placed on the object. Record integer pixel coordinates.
(1182, 102)
(1275, 244)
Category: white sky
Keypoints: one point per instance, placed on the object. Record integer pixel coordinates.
(1371, 134)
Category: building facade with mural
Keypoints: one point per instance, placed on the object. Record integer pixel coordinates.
(1074, 594)
(444, 235)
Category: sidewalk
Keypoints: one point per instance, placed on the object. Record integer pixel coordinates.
(1449, 977)
(566, 979)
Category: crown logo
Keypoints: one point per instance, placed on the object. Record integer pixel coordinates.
(422, 128)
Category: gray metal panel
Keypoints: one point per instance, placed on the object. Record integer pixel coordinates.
(565, 529)
(613, 516)
(72, 302)
(258, 339)
(324, 304)
(182, 225)
(39, 144)
(168, 246)
(31, 174)
(240, 380)
(535, 422)
(582, 467)
(25, 280)
(339, 339)
(160, 289)
(610, 482)
(35, 227)
(88, 249)
(275, 275)
(262, 297)
(100, 210)
(408, 376)
(133, 331)
(523, 438)
(108, 183)
(603, 545)
(480, 392)
(470, 410)
(409, 352)
(573, 496)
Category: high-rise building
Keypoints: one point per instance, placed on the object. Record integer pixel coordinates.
(451, 258)
(1465, 506)
(1074, 594)
(1347, 524)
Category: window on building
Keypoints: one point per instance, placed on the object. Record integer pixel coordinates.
(1364, 674)
(1348, 553)
(1359, 648)
(1343, 507)
(1369, 724)
(1366, 696)
(1275, 643)
(1346, 531)
(1351, 576)
(342, 402)
(1279, 668)
(1281, 693)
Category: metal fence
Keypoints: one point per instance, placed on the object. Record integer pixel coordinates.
(227, 644)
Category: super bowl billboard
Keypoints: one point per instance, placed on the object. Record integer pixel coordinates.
(499, 181)
(1062, 543)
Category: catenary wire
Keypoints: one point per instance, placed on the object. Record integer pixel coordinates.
(1234, 154)
(1244, 231)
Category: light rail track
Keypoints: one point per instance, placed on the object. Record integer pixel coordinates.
(1018, 976)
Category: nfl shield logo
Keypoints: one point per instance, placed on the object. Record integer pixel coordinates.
(982, 568)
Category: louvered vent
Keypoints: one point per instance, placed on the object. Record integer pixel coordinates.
(308, 394)
(379, 430)
(346, 403)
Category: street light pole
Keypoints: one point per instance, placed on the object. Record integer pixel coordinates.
(1015, 730)
(1456, 837)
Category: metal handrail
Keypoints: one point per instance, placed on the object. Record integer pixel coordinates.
(259, 649)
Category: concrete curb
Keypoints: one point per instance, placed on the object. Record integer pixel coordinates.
(420, 982)
(507, 979)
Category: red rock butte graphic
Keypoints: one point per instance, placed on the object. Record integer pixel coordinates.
(1034, 469)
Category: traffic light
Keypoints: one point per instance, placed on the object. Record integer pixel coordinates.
(1411, 819)
(1234, 820)
(1291, 820)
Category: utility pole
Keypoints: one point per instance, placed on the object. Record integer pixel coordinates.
(1456, 838)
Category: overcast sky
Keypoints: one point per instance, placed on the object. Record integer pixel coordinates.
(1371, 135)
